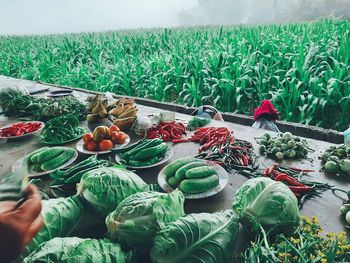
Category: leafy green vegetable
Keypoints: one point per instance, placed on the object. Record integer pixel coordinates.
(267, 203)
(196, 238)
(15, 102)
(104, 188)
(61, 216)
(197, 122)
(61, 129)
(138, 217)
(73, 249)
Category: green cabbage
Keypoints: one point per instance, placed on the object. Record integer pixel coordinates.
(61, 216)
(203, 237)
(267, 203)
(73, 249)
(138, 217)
(104, 188)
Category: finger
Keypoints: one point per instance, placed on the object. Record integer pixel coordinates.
(31, 207)
(7, 206)
(34, 228)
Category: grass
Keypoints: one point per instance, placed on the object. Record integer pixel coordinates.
(303, 68)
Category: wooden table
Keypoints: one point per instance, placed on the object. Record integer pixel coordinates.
(326, 207)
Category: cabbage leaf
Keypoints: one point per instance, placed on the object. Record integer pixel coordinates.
(267, 203)
(73, 249)
(104, 188)
(61, 216)
(202, 238)
(138, 217)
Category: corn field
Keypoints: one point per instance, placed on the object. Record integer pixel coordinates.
(304, 68)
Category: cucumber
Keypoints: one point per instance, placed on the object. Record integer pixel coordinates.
(36, 167)
(200, 172)
(150, 161)
(173, 181)
(142, 146)
(49, 154)
(33, 155)
(181, 172)
(171, 168)
(199, 185)
(56, 162)
(150, 152)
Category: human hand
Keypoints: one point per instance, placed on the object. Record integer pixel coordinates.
(19, 224)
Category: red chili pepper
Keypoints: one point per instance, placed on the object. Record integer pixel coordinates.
(289, 180)
(300, 189)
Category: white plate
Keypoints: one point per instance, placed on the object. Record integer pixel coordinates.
(80, 147)
(223, 180)
(167, 156)
(24, 135)
(18, 165)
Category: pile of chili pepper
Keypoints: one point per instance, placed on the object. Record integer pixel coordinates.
(209, 137)
(168, 131)
(292, 177)
(20, 128)
(236, 155)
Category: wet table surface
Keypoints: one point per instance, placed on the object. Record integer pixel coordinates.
(326, 207)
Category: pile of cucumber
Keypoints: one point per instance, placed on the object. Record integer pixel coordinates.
(144, 153)
(49, 158)
(191, 176)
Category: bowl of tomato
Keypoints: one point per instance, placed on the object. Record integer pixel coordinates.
(21, 129)
(103, 140)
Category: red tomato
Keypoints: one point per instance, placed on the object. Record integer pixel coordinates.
(114, 128)
(91, 146)
(105, 145)
(119, 138)
(87, 138)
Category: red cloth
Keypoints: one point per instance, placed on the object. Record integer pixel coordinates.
(266, 110)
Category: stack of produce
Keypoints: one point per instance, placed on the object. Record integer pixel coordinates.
(191, 176)
(168, 131)
(74, 173)
(283, 146)
(103, 138)
(336, 160)
(19, 129)
(122, 112)
(16, 103)
(61, 129)
(144, 153)
(47, 159)
(236, 155)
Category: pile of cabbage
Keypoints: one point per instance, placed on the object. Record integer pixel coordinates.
(144, 225)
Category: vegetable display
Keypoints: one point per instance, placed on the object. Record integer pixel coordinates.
(61, 216)
(47, 159)
(197, 238)
(209, 137)
(140, 216)
(145, 153)
(74, 173)
(191, 176)
(15, 102)
(104, 188)
(19, 129)
(103, 138)
(61, 129)
(283, 146)
(167, 131)
(262, 202)
(236, 155)
(336, 160)
(73, 249)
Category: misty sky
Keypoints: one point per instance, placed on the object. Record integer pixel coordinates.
(58, 16)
